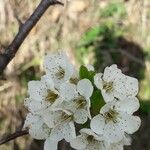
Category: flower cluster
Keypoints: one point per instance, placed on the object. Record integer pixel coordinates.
(64, 96)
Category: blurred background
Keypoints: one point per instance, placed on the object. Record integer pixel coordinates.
(98, 32)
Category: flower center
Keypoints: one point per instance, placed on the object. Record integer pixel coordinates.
(108, 86)
(90, 138)
(51, 96)
(66, 117)
(60, 73)
(111, 115)
(80, 102)
(74, 80)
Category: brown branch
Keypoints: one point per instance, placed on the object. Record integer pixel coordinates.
(12, 136)
(23, 32)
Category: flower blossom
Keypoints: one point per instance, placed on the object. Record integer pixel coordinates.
(58, 67)
(42, 95)
(77, 99)
(88, 140)
(39, 130)
(126, 141)
(116, 119)
(113, 83)
(61, 123)
(61, 99)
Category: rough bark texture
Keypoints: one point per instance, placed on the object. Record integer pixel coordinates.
(23, 32)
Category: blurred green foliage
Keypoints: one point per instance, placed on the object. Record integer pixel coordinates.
(114, 9)
(108, 44)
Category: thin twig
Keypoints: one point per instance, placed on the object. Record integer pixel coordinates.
(12, 136)
(23, 32)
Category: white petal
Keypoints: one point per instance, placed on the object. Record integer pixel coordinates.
(98, 80)
(50, 144)
(64, 131)
(127, 140)
(119, 145)
(51, 118)
(31, 119)
(108, 97)
(37, 90)
(69, 106)
(52, 61)
(87, 132)
(47, 80)
(110, 73)
(95, 145)
(36, 106)
(85, 88)
(131, 86)
(113, 133)
(69, 70)
(80, 116)
(90, 67)
(79, 142)
(37, 132)
(128, 105)
(116, 146)
(68, 91)
(107, 107)
(71, 134)
(97, 124)
(57, 103)
(129, 124)
(119, 85)
(37, 128)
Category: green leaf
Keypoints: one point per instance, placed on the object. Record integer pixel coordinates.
(85, 74)
(145, 106)
(97, 102)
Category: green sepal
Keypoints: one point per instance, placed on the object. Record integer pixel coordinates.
(97, 102)
(85, 74)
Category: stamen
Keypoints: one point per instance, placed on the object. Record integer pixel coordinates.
(80, 102)
(60, 73)
(111, 115)
(90, 138)
(74, 80)
(108, 86)
(65, 117)
(51, 96)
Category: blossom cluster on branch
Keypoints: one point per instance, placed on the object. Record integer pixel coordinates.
(91, 111)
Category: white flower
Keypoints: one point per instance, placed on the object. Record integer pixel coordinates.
(42, 95)
(88, 140)
(113, 83)
(126, 141)
(115, 119)
(58, 67)
(37, 128)
(78, 99)
(61, 124)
